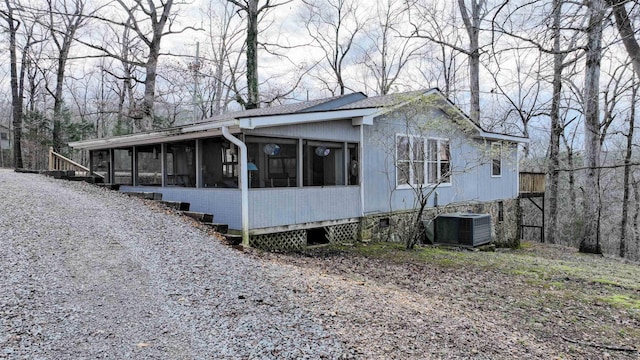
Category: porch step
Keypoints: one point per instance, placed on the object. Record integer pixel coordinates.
(60, 174)
(144, 195)
(202, 217)
(88, 179)
(177, 205)
(27, 171)
(109, 186)
(233, 239)
(219, 228)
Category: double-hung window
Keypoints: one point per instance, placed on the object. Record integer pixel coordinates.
(439, 161)
(418, 159)
(409, 160)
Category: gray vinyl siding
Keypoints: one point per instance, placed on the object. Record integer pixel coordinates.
(267, 207)
(224, 204)
(339, 130)
(287, 206)
(471, 179)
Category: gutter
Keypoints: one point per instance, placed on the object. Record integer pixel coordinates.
(244, 183)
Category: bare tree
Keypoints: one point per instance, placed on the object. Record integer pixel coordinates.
(519, 86)
(590, 240)
(222, 68)
(65, 17)
(622, 250)
(253, 10)
(158, 20)
(150, 22)
(334, 26)
(11, 16)
(556, 127)
(390, 52)
(626, 31)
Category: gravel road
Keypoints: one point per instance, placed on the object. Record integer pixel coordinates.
(88, 273)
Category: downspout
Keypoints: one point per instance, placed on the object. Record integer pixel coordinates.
(361, 170)
(244, 183)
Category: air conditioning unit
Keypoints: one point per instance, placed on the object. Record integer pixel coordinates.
(463, 229)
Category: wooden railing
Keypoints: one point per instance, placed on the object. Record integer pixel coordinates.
(531, 182)
(62, 163)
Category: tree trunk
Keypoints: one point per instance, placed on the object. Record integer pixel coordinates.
(636, 212)
(590, 241)
(472, 25)
(627, 172)
(253, 96)
(149, 89)
(157, 32)
(627, 33)
(556, 129)
(73, 22)
(16, 93)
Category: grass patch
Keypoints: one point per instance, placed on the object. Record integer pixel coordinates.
(622, 302)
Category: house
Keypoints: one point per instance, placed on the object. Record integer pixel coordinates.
(5, 137)
(5, 145)
(339, 168)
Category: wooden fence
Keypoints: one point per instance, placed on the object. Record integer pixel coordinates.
(532, 183)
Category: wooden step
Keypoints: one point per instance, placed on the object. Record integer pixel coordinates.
(202, 217)
(178, 205)
(233, 239)
(219, 228)
(60, 174)
(109, 186)
(88, 179)
(28, 171)
(147, 195)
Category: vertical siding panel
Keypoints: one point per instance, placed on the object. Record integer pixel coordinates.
(288, 206)
(340, 130)
(224, 204)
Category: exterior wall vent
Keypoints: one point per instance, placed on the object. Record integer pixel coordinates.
(463, 229)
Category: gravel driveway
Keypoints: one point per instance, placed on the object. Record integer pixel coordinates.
(88, 273)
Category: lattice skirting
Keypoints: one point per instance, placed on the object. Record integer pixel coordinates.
(343, 232)
(288, 240)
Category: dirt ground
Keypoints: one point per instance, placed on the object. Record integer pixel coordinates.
(541, 301)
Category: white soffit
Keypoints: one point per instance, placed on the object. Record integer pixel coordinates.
(358, 116)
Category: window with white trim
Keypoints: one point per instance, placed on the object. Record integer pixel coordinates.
(496, 159)
(414, 164)
(439, 161)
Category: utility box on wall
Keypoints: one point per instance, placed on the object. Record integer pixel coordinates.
(463, 229)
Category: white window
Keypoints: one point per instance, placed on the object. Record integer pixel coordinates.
(418, 159)
(496, 159)
(439, 159)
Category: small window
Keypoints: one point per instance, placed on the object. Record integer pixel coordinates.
(4, 136)
(496, 159)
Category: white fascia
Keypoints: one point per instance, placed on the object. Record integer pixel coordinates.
(357, 116)
(177, 134)
(503, 137)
